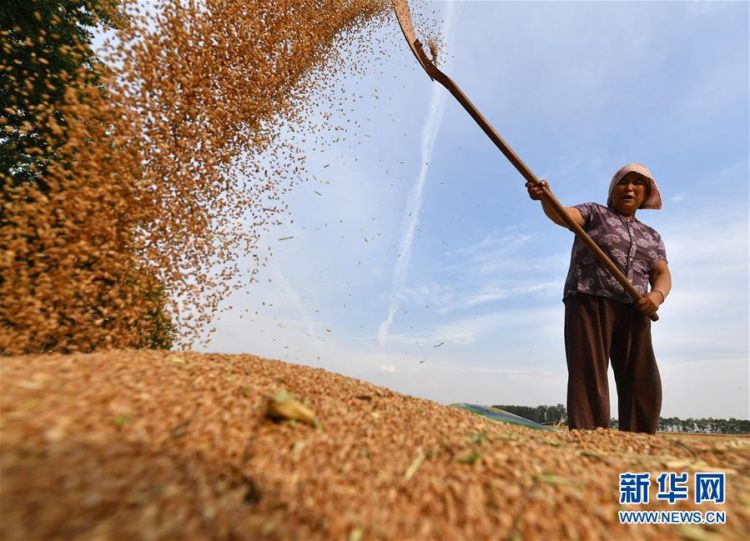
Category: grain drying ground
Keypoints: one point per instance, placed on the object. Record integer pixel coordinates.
(160, 445)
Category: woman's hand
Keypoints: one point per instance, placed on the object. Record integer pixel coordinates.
(535, 190)
(649, 303)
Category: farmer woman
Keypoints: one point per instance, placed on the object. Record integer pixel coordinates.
(601, 320)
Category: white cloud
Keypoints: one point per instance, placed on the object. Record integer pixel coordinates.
(499, 241)
(494, 293)
(678, 197)
(467, 330)
(430, 130)
(295, 300)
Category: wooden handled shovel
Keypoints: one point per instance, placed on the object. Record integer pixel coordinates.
(404, 19)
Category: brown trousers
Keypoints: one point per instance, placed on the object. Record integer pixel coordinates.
(598, 329)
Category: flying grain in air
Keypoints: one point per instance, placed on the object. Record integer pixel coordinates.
(163, 167)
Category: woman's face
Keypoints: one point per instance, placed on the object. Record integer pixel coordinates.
(629, 194)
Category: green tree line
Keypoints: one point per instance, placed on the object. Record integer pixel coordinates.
(558, 413)
(708, 425)
(538, 414)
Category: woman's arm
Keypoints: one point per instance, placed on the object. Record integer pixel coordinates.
(536, 191)
(661, 285)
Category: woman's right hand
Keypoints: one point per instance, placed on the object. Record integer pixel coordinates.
(536, 190)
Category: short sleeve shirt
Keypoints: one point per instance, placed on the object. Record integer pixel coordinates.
(633, 246)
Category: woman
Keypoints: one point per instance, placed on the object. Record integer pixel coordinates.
(601, 320)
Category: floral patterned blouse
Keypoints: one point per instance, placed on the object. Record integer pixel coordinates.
(632, 245)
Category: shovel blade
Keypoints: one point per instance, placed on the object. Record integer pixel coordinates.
(403, 15)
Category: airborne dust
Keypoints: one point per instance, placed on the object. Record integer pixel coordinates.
(146, 187)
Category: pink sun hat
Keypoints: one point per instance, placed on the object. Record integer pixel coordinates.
(653, 201)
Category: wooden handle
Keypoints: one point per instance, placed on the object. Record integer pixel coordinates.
(437, 75)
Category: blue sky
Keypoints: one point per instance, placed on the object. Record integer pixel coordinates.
(419, 263)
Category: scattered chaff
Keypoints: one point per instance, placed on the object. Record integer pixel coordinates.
(415, 464)
(553, 479)
(285, 407)
(174, 359)
(477, 439)
(471, 457)
(297, 448)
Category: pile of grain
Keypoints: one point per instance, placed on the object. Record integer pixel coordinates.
(155, 445)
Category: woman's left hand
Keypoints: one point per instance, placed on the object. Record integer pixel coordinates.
(649, 303)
